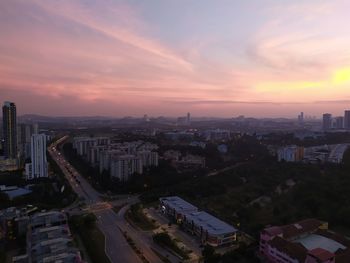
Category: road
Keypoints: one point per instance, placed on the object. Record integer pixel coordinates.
(110, 223)
(216, 172)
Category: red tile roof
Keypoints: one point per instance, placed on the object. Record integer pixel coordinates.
(321, 254)
(294, 230)
(293, 250)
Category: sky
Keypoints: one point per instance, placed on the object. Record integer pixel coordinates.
(222, 58)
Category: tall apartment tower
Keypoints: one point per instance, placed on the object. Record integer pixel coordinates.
(347, 120)
(327, 121)
(38, 167)
(9, 117)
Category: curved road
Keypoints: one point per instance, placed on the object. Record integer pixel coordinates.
(110, 223)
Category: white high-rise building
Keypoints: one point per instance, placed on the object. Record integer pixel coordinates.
(38, 167)
(148, 158)
(122, 167)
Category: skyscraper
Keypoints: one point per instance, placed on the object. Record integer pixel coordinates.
(327, 121)
(188, 118)
(38, 167)
(301, 118)
(347, 119)
(9, 118)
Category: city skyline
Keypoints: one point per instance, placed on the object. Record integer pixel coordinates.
(130, 58)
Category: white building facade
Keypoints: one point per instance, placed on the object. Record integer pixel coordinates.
(38, 167)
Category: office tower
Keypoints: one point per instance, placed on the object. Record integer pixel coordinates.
(301, 118)
(38, 167)
(339, 122)
(327, 121)
(188, 118)
(9, 130)
(347, 119)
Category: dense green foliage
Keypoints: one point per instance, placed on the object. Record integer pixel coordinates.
(93, 239)
(163, 239)
(136, 215)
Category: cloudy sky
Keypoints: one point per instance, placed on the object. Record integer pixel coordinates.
(168, 57)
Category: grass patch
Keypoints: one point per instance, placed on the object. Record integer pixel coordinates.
(93, 239)
(136, 215)
(164, 240)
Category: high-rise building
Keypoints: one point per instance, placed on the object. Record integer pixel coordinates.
(24, 135)
(38, 167)
(339, 122)
(9, 117)
(188, 118)
(327, 121)
(347, 119)
(122, 167)
(301, 118)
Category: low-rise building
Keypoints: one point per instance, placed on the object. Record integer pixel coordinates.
(307, 241)
(49, 240)
(175, 207)
(209, 229)
(292, 153)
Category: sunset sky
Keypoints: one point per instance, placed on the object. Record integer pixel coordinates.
(169, 57)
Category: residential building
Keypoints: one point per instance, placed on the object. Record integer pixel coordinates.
(339, 122)
(9, 118)
(148, 158)
(347, 120)
(307, 241)
(120, 159)
(24, 135)
(207, 228)
(292, 153)
(217, 135)
(122, 167)
(38, 167)
(49, 240)
(83, 144)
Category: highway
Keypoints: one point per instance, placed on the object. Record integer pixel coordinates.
(110, 223)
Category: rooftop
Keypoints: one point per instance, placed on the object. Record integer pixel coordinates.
(321, 254)
(209, 223)
(178, 204)
(314, 241)
(48, 233)
(295, 230)
(47, 218)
